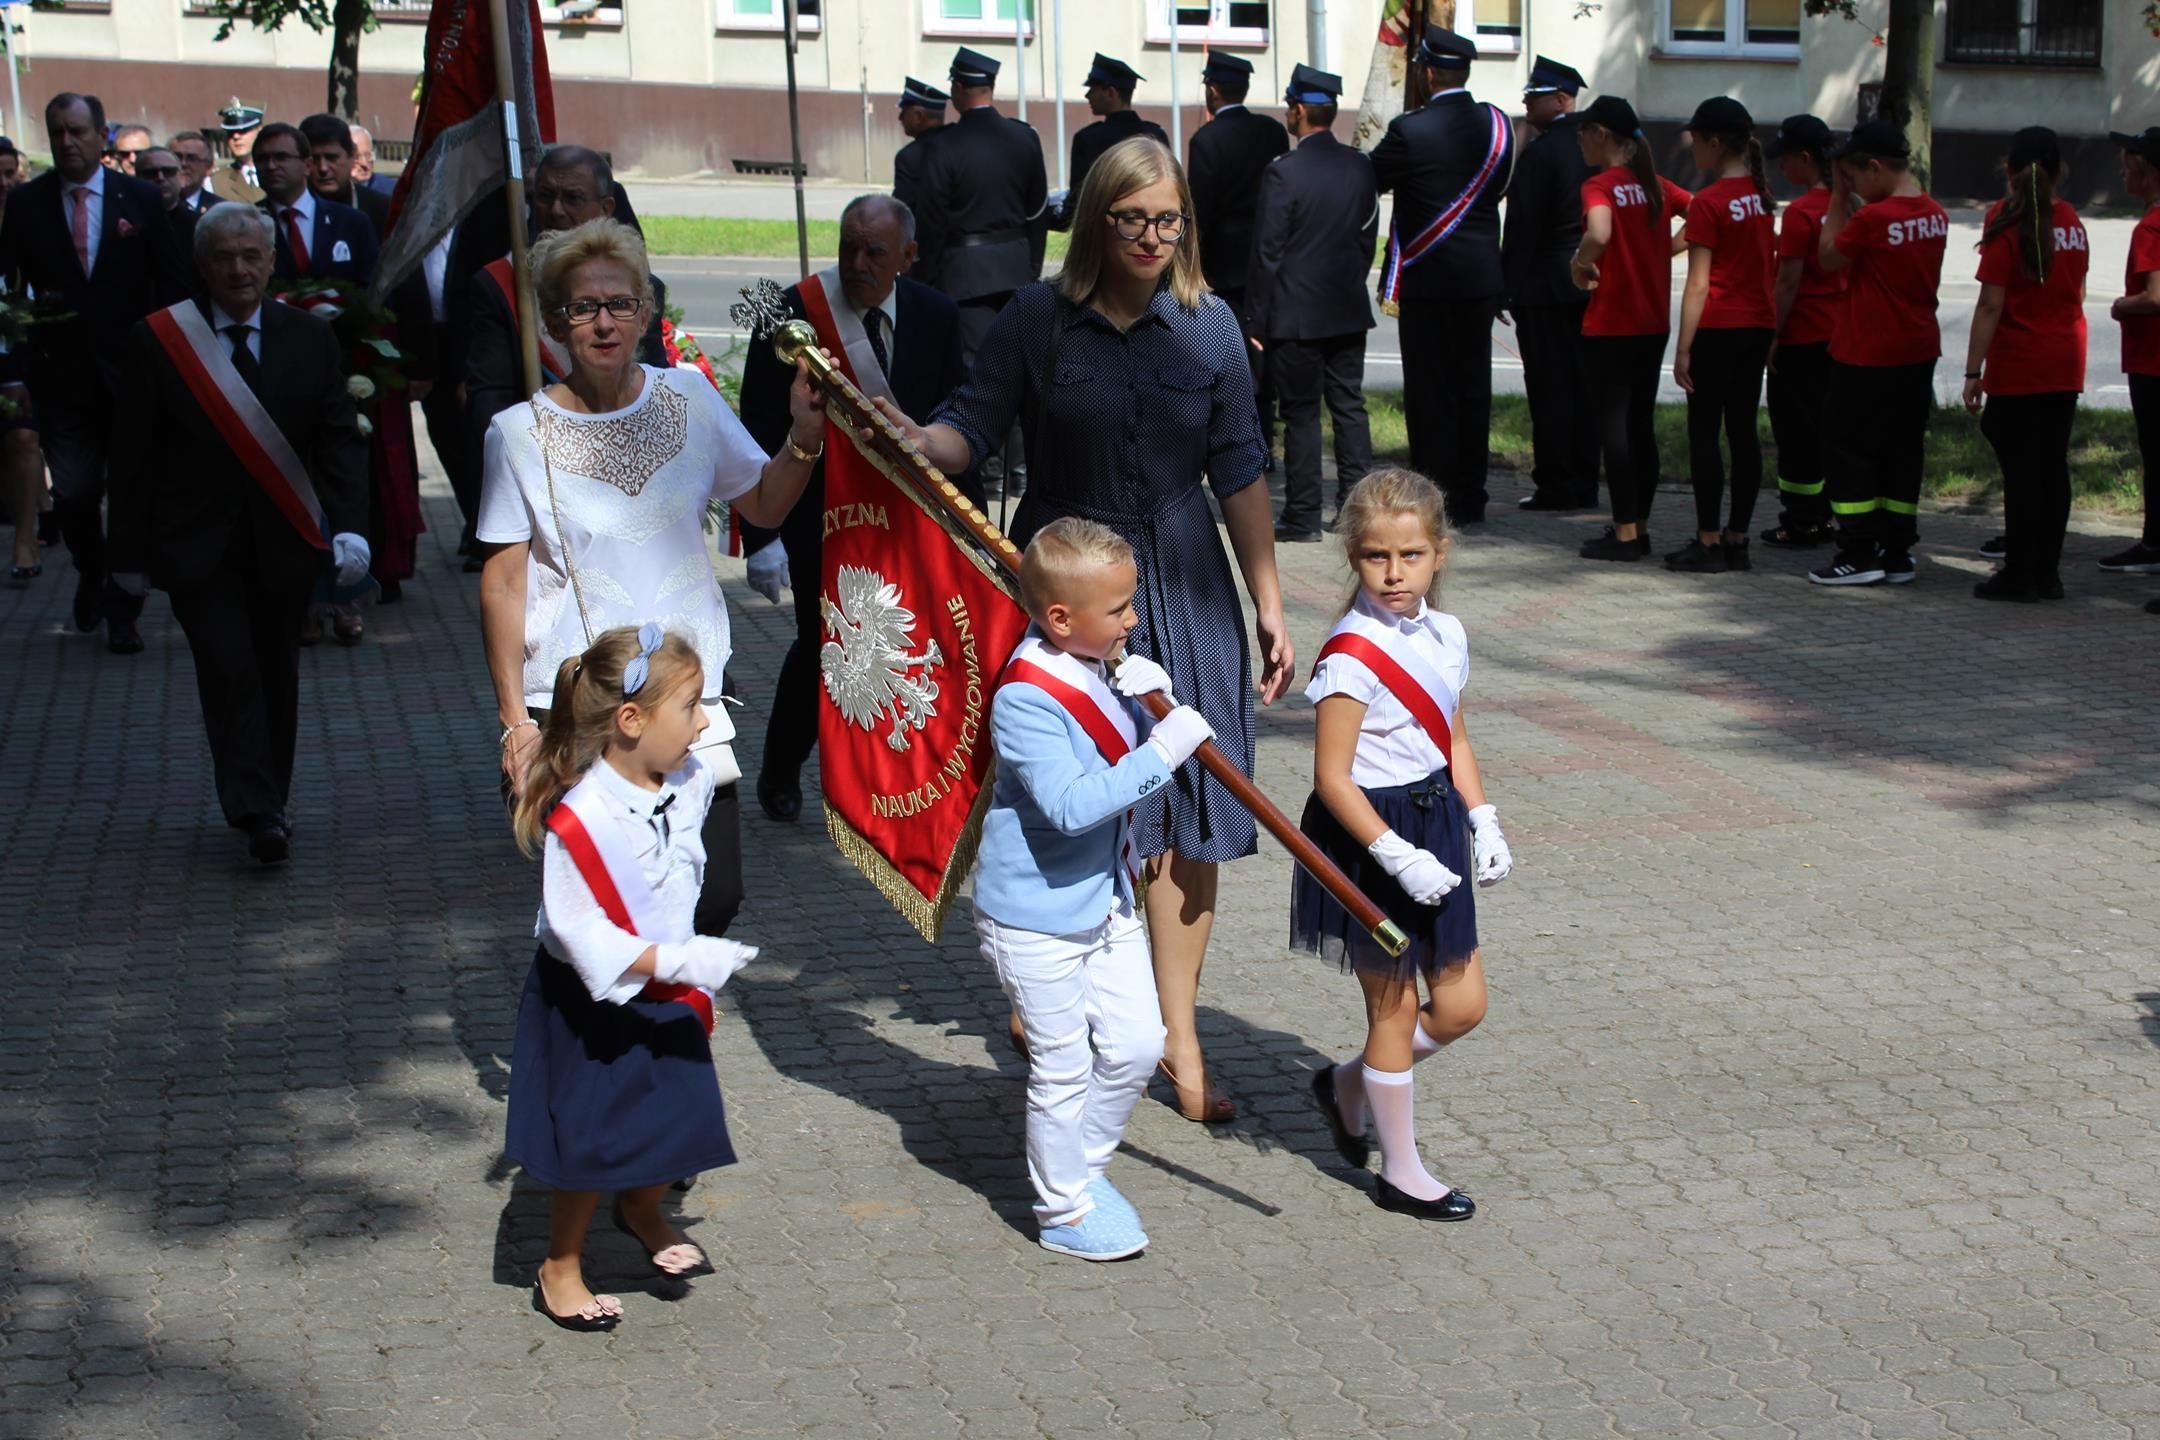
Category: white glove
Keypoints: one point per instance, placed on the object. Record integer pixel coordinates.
(349, 553)
(1494, 859)
(132, 584)
(1421, 875)
(1137, 675)
(1178, 734)
(769, 571)
(705, 961)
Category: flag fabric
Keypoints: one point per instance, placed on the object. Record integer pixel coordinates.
(457, 156)
(1402, 25)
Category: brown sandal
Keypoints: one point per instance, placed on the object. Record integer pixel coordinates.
(1215, 1107)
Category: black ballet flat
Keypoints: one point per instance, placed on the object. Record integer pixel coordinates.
(20, 576)
(1452, 1206)
(1355, 1150)
(583, 1325)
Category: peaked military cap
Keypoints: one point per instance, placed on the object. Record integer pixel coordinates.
(972, 67)
(1445, 49)
(928, 97)
(239, 116)
(1550, 76)
(1106, 71)
(1225, 68)
(1313, 87)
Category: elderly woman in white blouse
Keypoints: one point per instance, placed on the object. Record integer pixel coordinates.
(592, 511)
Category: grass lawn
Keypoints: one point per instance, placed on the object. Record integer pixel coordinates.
(2104, 466)
(704, 235)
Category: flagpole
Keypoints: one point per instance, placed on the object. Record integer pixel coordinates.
(1057, 61)
(1177, 111)
(514, 195)
(794, 128)
(1020, 55)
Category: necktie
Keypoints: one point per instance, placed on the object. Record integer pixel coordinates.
(79, 226)
(242, 358)
(876, 329)
(295, 241)
(660, 821)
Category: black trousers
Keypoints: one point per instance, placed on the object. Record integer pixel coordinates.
(1306, 372)
(1624, 372)
(1266, 400)
(243, 628)
(1556, 380)
(1726, 368)
(1799, 390)
(78, 448)
(2145, 407)
(1878, 454)
(448, 433)
(1447, 396)
(2031, 436)
(793, 731)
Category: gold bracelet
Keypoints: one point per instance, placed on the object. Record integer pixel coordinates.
(808, 457)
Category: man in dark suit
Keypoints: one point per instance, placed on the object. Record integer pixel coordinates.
(194, 518)
(1318, 220)
(922, 115)
(95, 245)
(980, 204)
(912, 334)
(317, 239)
(1226, 159)
(1109, 85)
(1544, 225)
(159, 165)
(1448, 163)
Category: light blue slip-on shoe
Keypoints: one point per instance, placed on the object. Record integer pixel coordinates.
(1101, 1234)
(1108, 1197)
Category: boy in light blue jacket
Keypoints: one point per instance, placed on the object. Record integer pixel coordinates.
(1057, 891)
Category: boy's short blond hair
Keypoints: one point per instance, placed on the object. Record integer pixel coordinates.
(1061, 553)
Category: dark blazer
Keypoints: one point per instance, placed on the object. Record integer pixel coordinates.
(1228, 155)
(1313, 241)
(1428, 158)
(335, 225)
(979, 206)
(182, 221)
(493, 382)
(1090, 141)
(1544, 220)
(181, 500)
(137, 272)
(409, 301)
(907, 163)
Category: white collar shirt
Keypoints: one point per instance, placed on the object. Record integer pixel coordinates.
(95, 186)
(223, 322)
(305, 204)
(1393, 748)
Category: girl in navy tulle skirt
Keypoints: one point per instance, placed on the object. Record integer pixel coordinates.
(1397, 803)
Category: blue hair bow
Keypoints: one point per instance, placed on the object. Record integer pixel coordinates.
(649, 638)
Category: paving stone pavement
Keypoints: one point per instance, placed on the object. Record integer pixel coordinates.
(1818, 1096)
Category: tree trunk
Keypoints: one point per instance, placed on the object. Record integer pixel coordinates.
(346, 23)
(1909, 75)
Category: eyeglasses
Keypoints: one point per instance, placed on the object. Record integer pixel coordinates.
(619, 307)
(156, 172)
(1132, 224)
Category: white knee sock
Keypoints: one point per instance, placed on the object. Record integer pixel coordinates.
(1350, 1078)
(1421, 1044)
(1388, 1094)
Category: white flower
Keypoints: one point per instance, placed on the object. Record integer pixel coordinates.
(326, 312)
(367, 426)
(360, 387)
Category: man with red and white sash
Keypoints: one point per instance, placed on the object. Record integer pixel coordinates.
(242, 469)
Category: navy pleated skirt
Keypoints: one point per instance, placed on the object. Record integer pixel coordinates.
(1431, 816)
(610, 1097)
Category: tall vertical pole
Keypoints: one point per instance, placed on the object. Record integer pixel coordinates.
(794, 127)
(1316, 31)
(514, 195)
(7, 36)
(1057, 61)
(1020, 10)
(862, 58)
(1177, 111)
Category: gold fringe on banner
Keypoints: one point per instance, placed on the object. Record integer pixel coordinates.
(926, 915)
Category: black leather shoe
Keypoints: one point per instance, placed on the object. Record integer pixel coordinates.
(122, 638)
(89, 601)
(779, 796)
(270, 842)
(2007, 585)
(1355, 1150)
(1295, 535)
(1452, 1206)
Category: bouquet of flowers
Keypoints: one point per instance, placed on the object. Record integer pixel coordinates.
(366, 332)
(18, 318)
(683, 348)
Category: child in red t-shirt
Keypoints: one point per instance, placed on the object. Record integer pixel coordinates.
(1625, 262)
(1726, 324)
(1808, 300)
(2138, 312)
(2026, 361)
(1882, 384)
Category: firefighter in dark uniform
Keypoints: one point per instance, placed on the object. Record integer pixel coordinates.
(979, 202)
(1109, 85)
(1448, 163)
(1313, 239)
(1544, 225)
(1224, 163)
(922, 116)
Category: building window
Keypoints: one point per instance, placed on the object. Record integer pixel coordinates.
(1769, 29)
(995, 19)
(1212, 22)
(1498, 25)
(581, 12)
(768, 15)
(2024, 32)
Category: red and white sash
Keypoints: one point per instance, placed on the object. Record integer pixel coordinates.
(594, 841)
(1082, 692)
(204, 361)
(1401, 256)
(554, 359)
(840, 330)
(1408, 676)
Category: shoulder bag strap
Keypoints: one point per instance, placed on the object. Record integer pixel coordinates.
(562, 541)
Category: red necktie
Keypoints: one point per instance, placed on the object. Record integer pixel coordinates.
(79, 226)
(292, 238)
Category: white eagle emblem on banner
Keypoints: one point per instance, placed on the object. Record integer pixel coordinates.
(868, 671)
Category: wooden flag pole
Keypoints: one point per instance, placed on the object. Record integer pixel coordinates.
(514, 197)
(847, 407)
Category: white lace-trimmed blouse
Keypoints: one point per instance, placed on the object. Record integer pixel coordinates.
(631, 486)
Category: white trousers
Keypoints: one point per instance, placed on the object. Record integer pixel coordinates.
(1094, 1032)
